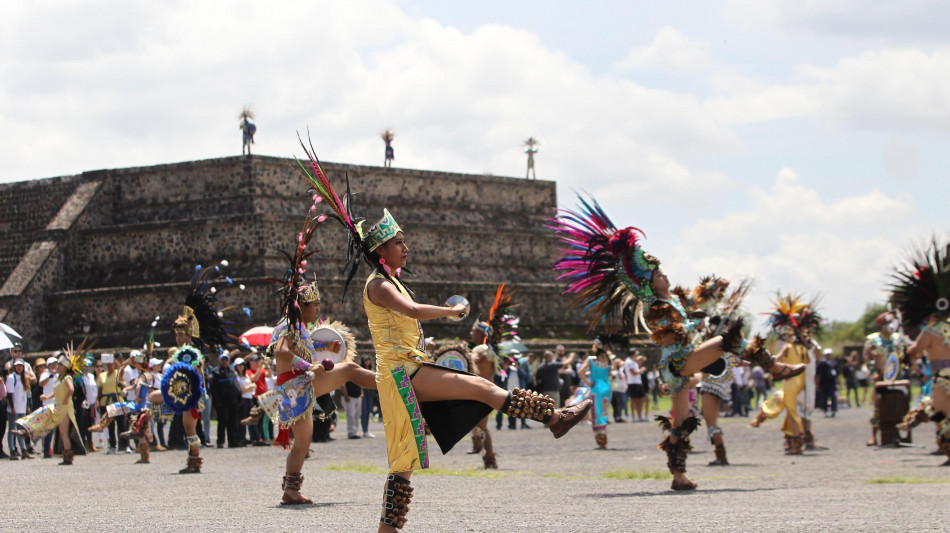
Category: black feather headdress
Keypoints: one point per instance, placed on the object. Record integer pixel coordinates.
(359, 241)
(920, 288)
(202, 317)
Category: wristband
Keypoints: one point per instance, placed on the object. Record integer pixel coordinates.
(300, 364)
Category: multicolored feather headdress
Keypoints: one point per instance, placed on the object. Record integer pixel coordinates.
(502, 322)
(73, 358)
(920, 288)
(202, 319)
(360, 244)
(792, 312)
(604, 267)
(295, 289)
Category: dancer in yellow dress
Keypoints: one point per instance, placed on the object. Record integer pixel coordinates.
(61, 416)
(410, 388)
(795, 321)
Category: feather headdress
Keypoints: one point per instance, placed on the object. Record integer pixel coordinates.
(73, 358)
(202, 318)
(605, 268)
(920, 288)
(502, 322)
(731, 304)
(793, 312)
(294, 286)
(360, 242)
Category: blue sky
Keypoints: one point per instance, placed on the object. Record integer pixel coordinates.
(798, 142)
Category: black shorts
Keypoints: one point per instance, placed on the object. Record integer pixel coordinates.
(635, 390)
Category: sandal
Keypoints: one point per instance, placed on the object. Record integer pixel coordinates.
(691, 485)
(293, 481)
(299, 500)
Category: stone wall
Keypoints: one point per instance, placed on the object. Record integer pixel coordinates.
(127, 256)
(26, 208)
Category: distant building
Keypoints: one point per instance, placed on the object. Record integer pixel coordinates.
(105, 252)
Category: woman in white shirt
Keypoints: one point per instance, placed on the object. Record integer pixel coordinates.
(247, 396)
(618, 390)
(18, 386)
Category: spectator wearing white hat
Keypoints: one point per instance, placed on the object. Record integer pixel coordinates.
(826, 378)
(18, 387)
(48, 377)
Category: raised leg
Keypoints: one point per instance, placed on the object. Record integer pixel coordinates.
(326, 382)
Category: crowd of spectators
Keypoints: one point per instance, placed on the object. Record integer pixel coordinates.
(233, 382)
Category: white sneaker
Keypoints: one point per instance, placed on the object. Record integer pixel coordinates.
(111, 451)
(128, 449)
(369, 436)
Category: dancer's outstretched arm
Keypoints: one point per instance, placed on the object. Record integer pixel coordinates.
(383, 293)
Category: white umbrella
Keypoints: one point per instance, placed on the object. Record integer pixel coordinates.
(8, 336)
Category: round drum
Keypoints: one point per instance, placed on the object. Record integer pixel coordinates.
(452, 357)
(324, 334)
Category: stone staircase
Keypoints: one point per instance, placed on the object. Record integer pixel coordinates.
(26, 209)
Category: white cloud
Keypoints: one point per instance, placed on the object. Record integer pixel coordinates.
(887, 90)
(165, 84)
(671, 50)
(791, 239)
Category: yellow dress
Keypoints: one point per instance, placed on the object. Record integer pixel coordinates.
(48, 417)
(400, 351)
(787, 398)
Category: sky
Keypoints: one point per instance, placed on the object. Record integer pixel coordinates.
(797, 142)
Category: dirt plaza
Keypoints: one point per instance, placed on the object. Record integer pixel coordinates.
(542, 485)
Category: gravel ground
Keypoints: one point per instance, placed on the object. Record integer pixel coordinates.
(543, 485)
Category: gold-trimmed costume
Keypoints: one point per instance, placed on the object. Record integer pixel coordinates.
(400, 348)
(787, 398)
(47, 418)
(400, 352)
